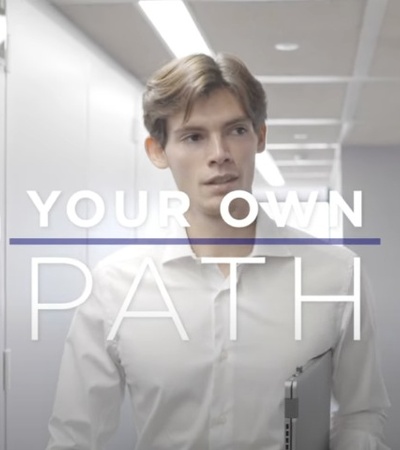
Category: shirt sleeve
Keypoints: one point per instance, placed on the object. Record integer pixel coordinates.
(91, 383)
(358, 385)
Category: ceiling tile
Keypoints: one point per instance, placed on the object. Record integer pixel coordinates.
(327, 32)
(315, 134)
(305, 154)
(386, 62)
(123, 32)
(305, 100)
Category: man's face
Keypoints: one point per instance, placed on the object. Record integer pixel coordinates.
(213, 152)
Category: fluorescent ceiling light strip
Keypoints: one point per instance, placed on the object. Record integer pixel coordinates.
(307, 175)
(303, 122)
(265, 1)
(3, 28)
(310, 146)
(294, 79)
(176, 26)
(265, 164)
(304, 162)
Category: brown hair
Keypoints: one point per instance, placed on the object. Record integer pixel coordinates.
(176, 86)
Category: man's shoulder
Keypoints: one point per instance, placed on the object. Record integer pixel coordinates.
(325, 268)
(128, 259)
(320, 251)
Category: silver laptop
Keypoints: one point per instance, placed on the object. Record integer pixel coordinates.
(308, 405)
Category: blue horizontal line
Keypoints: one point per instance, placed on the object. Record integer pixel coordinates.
(194, 241)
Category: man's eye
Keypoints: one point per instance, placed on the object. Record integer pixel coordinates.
(239, 130)
(192, 137)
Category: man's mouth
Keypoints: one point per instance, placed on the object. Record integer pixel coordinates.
(222, 179)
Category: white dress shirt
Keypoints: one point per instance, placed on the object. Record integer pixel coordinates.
(211, 392)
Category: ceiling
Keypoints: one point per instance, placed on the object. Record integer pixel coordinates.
(340, 88)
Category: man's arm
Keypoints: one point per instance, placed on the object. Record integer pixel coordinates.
(90, 386)
(358, 384)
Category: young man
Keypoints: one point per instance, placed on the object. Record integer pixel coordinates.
(210, 373)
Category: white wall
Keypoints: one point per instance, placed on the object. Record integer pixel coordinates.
(73, 124)
(375, 171)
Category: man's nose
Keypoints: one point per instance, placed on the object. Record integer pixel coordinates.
(218, 150)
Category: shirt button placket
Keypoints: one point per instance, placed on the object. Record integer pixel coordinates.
(223, 355)
(222, 394)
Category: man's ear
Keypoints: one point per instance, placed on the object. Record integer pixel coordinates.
(262, 138)
(156, 153)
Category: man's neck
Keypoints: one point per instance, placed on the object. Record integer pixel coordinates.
(216, 227)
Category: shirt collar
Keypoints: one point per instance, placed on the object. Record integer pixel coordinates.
(177, 251)
(265, 228)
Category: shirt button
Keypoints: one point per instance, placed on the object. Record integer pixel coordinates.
(222, 419)
(224, 355)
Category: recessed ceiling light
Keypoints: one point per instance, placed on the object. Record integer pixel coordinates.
(287, 46)
(300, 136)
